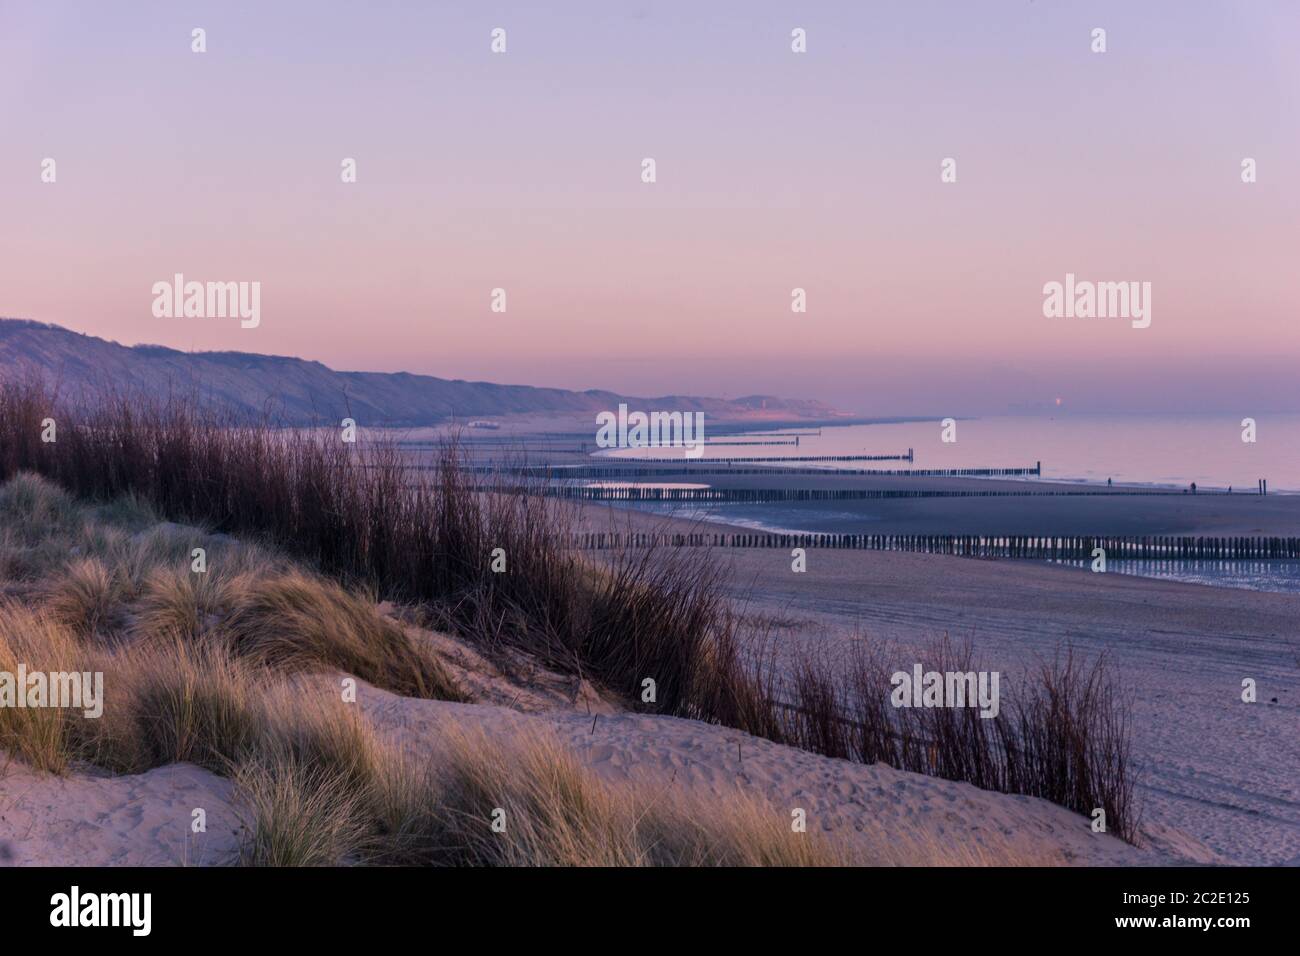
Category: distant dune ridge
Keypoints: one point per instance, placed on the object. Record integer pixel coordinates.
(298, 392)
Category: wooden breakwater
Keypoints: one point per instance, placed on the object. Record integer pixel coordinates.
(636, 472)
(807, 434)
(637, 493)
(1053, 548)
(689, 470)
(720, 442)
(777, 459)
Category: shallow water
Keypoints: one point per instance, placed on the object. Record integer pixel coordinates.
(1279, 576)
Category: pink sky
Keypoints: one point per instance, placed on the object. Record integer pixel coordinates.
(775, 170)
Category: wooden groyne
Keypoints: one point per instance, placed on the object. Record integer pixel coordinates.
(637, 493)
(755, 461)
(808, 434)
(719, 442)
(688, 470)
(1062, 548)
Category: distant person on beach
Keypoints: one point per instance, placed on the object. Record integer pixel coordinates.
(1193, 487)
(1109, 482)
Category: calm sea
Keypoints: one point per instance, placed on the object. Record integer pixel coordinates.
(1149, 450)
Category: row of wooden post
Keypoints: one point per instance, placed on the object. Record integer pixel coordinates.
(1064, 548)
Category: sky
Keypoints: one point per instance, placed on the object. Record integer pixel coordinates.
(775, 170)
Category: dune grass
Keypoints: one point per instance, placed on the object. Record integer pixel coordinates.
(300, 816)
(1064, 735)
(320, 789)
(479, 801)
(85, 596)
(296, 621)
(107, 584)
(529, 801)
(38, 735)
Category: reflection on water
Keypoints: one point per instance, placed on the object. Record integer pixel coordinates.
(1281, 576)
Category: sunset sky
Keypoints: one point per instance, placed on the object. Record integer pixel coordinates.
(775, 170)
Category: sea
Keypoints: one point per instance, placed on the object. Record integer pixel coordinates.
(1164, 451)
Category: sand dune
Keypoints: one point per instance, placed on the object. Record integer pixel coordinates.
(145, 819)
(861, 805)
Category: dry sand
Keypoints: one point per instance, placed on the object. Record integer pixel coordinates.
(143, 819)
